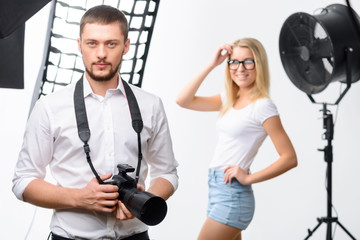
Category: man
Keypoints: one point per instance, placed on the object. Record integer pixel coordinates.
(83, 208)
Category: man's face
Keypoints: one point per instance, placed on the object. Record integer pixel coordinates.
(102, 47)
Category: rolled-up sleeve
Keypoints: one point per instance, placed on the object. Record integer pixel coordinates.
(160, 151)
(35, 152)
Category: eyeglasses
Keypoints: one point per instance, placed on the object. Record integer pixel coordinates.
(249, 64)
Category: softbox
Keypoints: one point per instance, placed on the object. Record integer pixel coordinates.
(12, 60)
(14, 13)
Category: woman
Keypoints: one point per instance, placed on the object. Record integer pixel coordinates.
(247, 116)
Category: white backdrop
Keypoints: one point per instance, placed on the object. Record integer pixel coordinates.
(186, 35)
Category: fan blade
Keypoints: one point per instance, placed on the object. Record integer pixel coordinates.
(317, 74)
(322, 48)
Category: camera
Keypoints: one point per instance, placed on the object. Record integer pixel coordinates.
(147, 207)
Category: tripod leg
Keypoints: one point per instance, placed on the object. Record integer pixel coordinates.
(312, 231)
(343, 228)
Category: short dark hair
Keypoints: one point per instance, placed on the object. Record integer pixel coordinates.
(104, 14)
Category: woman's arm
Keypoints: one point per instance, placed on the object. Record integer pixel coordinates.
(187, 98)
(286, 161)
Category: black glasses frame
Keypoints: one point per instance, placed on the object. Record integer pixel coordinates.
(241, 62)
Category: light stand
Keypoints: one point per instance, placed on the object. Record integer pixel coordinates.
(328, 157)
(328, 124)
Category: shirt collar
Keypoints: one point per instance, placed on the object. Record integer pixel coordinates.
(88, 90)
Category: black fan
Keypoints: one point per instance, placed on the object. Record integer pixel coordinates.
(313, 48)
(315, 51)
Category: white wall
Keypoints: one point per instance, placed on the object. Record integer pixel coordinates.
(186, 35)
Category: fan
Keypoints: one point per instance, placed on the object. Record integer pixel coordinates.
(315, 51)
(313, 48)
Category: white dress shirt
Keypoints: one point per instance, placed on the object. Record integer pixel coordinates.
(51, 139)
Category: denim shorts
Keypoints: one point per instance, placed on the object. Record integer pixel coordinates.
(231, 204)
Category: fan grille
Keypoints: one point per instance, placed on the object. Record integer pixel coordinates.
(320, 49)
(306, 53)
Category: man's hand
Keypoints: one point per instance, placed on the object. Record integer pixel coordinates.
(99, 197)
(121, 212)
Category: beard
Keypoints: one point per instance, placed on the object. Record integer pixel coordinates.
(103, 78)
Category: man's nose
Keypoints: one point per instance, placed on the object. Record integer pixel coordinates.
(101, 51)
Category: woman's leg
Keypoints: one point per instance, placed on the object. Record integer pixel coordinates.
(237, 237)
(213, 230)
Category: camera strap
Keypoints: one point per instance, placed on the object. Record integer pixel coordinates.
(83, 125)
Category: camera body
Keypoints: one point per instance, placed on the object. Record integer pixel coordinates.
(147, 207)
(125, 183)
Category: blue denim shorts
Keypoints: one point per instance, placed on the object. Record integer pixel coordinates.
(231, 204)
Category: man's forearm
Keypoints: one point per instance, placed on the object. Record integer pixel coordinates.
(162, 188)
(47, 195)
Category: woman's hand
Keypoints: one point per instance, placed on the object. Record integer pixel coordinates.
(221, 54)
(234, 171)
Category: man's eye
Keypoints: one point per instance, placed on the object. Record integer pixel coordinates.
(112, 44)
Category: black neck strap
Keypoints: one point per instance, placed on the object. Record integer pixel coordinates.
(83, 125)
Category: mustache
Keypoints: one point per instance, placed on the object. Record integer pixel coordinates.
(101, 62)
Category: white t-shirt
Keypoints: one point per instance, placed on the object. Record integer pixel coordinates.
(241, 133)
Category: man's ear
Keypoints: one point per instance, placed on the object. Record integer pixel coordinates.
(79, 44)
(127, 46)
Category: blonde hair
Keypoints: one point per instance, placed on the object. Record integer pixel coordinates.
(262, 82)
